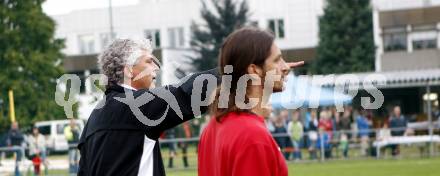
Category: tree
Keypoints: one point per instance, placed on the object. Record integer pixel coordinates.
(346, 38)
(30, 62)
(218, 24)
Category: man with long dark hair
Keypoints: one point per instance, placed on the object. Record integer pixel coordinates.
(236, 140)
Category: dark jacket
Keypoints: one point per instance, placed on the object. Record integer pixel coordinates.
(14, 137)
(115, 143)
(398, 125)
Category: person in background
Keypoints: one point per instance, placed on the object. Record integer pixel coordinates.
(15, 138)
(363, 125)
(324, 142)
(313, 134)
(326, 123)
(335, 118)
(398, 125)
(345, 123)
(171, 135)
(284, 115)
(72, 134)
(2, 144)
(37, 150)
(296, 130)
(270, 123)
(436, 114)
(282, 141)
(343, 144)
(288, 148)
(184, 131)
(306, 122)
(384, 134)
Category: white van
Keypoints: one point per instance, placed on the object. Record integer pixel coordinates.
(54, 132)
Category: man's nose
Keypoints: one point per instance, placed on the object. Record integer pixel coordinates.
(284, 67)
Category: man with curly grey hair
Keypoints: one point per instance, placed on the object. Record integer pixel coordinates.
(116, 141)
(125, 60)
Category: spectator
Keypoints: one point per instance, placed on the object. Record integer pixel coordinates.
(270, 124)
(2, 144)
(363, 125)
(184, 131)
(37, 150)
(296, 130)
(72, 133)
(335, 118)
(326, 123)
(284, 114)
(384, 134)
(345, 123)
(282, 141)
(171, 135)
(313, 134)
(324, 142)
(343, 144)
(15, 138)
(398, 126)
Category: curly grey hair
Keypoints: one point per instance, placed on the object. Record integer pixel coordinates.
(121, 53)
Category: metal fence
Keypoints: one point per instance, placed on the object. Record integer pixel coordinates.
(326, 145)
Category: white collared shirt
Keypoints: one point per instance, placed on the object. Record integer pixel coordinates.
(128, 87)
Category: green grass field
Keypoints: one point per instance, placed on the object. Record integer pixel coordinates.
(371, 167)
(368, 167)
(409, 164)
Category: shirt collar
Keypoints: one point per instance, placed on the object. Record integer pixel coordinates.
(128, 87)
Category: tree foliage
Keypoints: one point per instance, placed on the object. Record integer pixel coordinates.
(30, 62)
(345, 38)
(225, 17)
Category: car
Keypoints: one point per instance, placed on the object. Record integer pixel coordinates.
(54, 133)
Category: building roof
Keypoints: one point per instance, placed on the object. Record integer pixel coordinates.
(389, 79)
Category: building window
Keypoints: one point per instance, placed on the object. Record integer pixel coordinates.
(277, 27)
(86, 44)
(176, 37)
(424, 37)
(154, 36)
(424, 44)
(395, 39)
(106, 39)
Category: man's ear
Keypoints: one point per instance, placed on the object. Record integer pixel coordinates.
(254, 69)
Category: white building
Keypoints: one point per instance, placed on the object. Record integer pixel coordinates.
(406, 33)
(167, 23)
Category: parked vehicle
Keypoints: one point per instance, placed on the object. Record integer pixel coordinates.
(54, 133)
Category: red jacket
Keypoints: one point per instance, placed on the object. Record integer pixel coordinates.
(239, 145)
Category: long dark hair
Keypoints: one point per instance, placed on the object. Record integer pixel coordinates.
(240, 49)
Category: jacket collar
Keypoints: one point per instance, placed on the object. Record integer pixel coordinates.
(116, 88)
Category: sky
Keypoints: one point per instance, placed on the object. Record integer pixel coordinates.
(57, 7)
